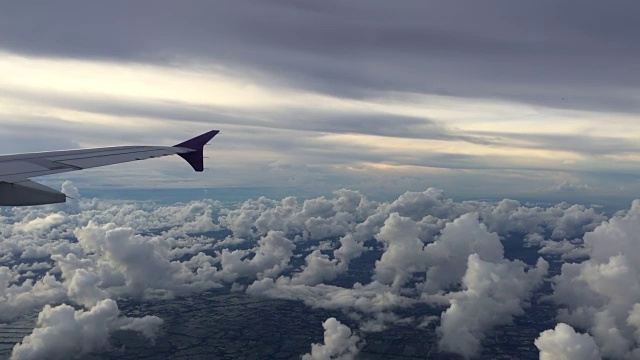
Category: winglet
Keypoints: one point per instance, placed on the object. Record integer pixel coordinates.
(196, 157)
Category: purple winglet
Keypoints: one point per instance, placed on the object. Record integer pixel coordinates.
(196, 157)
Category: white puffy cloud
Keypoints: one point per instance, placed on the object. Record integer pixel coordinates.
(464, 253)
(18, 297)
(566, 249)
(126, 264)
(39, 225)
(315, 219)
(339, 343)
(602, 294)
(317, 268)
(444, 260)
(372, 300)
(563, 221)
(63, 332)
(403, 253)
(271, 257)
(576, 221)
(320, 267)
(73, 197)
(493, 293)
(450, 252)
(564, 343)
(435, 251)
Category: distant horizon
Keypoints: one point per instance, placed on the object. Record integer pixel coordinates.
(609, 205)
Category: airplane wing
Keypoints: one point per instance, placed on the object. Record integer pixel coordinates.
(15, 170)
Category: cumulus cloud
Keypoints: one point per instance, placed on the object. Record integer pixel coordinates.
(602, 294)
(429, 251)
(493, 293)
(314, 219)
(576, 221)
(443, 260)
(459, 239)
(271, 257)
(63, 332)
(73, 197)
(564, 343)
(403, 253)
(464, 254)
(339, 343)
(371, 299)
(125, 263)
(318, 268)
(19, 297)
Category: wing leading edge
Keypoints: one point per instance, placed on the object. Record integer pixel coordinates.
(15, 170)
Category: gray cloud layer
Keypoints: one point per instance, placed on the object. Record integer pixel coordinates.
(575, 54)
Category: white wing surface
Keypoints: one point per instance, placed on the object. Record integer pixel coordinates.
(15, 170)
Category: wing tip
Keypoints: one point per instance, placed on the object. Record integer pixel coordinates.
(195, 158)
(198, 142)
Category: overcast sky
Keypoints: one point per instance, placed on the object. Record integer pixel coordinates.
(534, 99)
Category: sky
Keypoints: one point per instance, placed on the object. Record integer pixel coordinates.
(418, 119)
(530, 100)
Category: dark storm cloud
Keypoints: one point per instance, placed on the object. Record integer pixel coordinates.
(575, 54)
